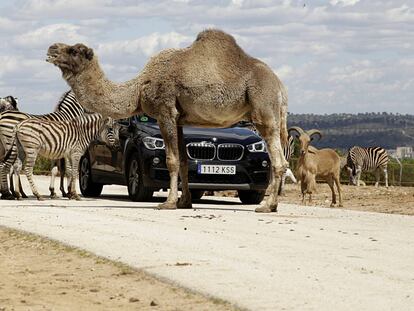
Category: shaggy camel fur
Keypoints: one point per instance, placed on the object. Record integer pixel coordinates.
(211, 83)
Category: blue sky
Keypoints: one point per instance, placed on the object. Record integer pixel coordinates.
(333, 56)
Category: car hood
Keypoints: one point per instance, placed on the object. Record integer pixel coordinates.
(235, 134)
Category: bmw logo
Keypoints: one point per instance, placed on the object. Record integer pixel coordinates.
(214, 139)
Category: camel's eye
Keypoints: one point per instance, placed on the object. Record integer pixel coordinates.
(72, 51)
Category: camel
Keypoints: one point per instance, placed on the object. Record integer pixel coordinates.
(211, 83)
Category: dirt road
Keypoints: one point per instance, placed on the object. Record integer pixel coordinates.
(302, 258)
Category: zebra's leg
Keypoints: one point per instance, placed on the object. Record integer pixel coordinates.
(11, 182)
(75, 158)
(377, 177)
(330, 182)
(28, 169)
(386, 177)
(17, 167)
(53, 174)
(358, 176)
(5, 193)
(68, 169)
(62, 169)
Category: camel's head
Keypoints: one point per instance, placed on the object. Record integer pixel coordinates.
(70, 58)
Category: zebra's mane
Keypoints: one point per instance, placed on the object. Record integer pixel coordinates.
(62, 100)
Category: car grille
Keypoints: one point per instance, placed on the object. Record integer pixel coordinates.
(230, 152)
(201, 151)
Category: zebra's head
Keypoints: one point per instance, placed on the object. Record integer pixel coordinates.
(304, 137)
(109, 133)
(8, 103)
(71, 59)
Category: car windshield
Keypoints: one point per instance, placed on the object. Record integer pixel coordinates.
(145, 119)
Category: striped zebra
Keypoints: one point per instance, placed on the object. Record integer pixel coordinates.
(367, 159)
(62, 139)
(288, 151)
(67, 108)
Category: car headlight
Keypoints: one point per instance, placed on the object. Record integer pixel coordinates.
(257, 147)
(153, 143)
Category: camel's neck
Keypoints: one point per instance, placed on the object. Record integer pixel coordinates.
(96, 93)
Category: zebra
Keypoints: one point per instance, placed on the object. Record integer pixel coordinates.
(367, 159)
(62, 139)
(288, 151)
(8, 103)
(67, 108)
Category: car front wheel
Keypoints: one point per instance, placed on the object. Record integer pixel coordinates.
(251, 196)
(196, 194)
(136, 189)
(87, 187)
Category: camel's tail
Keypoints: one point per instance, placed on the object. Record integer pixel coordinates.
(283, 118)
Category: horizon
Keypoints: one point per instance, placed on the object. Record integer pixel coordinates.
(336, 56)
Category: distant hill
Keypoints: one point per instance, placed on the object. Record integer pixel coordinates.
(342, 131)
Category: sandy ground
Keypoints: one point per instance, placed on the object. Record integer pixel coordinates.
(394, 200)
(301, 258)
(40, 274)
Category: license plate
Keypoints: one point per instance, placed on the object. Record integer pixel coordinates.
(216, 169)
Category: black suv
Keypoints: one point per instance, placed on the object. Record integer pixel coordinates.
(219, 159)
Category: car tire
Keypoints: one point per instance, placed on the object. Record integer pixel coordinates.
(136, 189)
(87, 187)
(251, 196)
(196, 194)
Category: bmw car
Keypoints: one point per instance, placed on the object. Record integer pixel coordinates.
(232, 158)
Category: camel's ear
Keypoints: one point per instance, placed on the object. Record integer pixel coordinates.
(89, 54)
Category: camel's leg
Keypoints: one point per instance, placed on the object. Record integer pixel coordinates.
(74, 159)
(282, 184)
(330, 182)
(271, 134)
(168, 127)
(386, 177)
(185, 200)
(53, 174)
(338, 187)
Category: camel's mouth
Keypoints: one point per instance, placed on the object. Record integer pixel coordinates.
(51, 58)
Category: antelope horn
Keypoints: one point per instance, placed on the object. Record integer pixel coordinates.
(296, 129)
(314, 132)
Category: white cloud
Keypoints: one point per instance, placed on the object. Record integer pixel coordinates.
(44, 36)
(344, 2)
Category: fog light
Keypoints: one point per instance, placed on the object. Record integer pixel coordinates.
(156, 160)
(264, 163)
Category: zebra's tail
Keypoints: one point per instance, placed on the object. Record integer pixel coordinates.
(16, 142)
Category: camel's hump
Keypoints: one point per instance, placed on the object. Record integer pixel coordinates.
(215, 34)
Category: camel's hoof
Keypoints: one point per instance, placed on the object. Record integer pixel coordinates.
(341, 205)
(182, 204)
(40, 198)
(265, 209)
(332, 205)
(53, 196)
(77, 197)
(166, 205)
